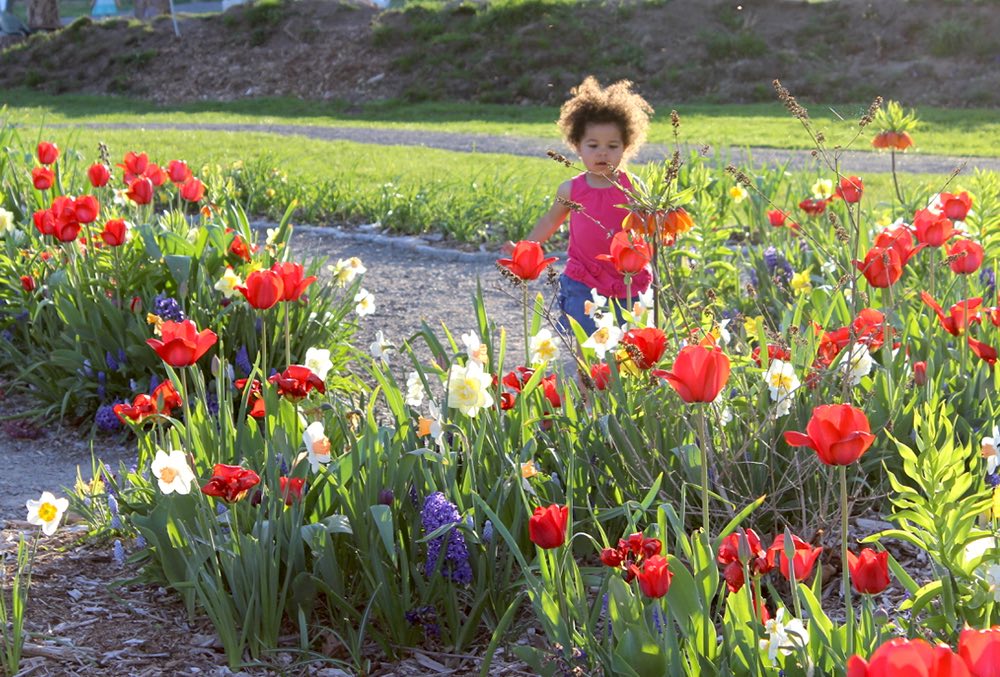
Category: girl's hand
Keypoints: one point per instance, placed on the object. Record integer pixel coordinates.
(507, 248)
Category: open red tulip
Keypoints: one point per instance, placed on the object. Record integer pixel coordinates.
(181, 344)
(699, 373)
(838, 433)
(527, 261)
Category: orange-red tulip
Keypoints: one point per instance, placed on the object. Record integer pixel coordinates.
(263, 289)
(99, 175)
(932, 228)
(527, 261)
(980, 649)
(547, 526)
(47, 152)
(293, 280)
(968, 256)
(869, 571)
(911, 657)
(699, 373)
(181, 344)
(630, 254)
(838, 433)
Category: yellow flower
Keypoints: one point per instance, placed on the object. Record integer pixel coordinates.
(543, 347)
(228, 282)
(884, 220)
(528, 470)
(800, 282)
(157, 323)
(738, 194)
(822, 189)
(750, 324)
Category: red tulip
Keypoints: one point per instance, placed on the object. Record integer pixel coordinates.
(551, 391)
(178, 171)
(980, 649)
(960, 316)
(650, 343)
(230, 482)
(527, 260)
(813, 206)
(729, 558)
(838, 433)
(293, 280)
(983, 351)
(291, 488)
(44, 221)
(699, 373)
(143, 406)
(86, 208)
(869, 571)
(776, 217)
(910, 657)
(955, 207)
(920, 373)
(966, 257)
(932, 228)
(296, 382)
(263, 289)
(612, 557)
(27, 283)
(654, 578)
(881, 267)
(600, 374)
(518, 378)
(134, 165)
(850, 189)
(239, 247)
(547, 526)
(507, 401)
(803, 558)
(255, 401)
(630, 254)
(114, 233)
(99, 175)
(181, 344)
(192, 190)
(47, 152)
(140, 191)
(155, 174)
(774, 352)
(42, 178)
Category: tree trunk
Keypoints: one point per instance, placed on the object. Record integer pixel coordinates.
(43, 15)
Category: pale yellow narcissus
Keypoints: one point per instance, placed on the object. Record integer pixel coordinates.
(228, 283)
(414, 389)
(318, 362)
(822, 189)
(346, 270)
(317, 445)
(781, 382)
(543, 347)
(365, 303)
(46, 512)
(738, 194)
(172, 472)
(801, 283)
(605, 337)
(469, 388)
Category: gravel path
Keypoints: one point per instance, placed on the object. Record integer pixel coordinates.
(859, 162)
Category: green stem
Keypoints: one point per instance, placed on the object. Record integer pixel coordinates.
(895, 181)
(524, 309)
(186, 401)
(887, 341)
(703, 448)
(845, 573)
(288, 337)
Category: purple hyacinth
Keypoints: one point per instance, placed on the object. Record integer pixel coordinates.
(243, 361)
(110, 360)
(106, 420)
(988, 277)
(118, 552)
(436, 513)
(993, 479)
(771, 259)
(167, 308)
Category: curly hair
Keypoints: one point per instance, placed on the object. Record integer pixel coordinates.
(616, 103)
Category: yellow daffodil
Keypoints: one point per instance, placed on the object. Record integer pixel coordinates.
(750, 324)
(822, 189)
(801, 283)
(228, 283)
(738, 194)
(543, 347)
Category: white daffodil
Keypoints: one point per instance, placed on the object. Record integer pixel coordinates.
(272, 236)
(781, 382)
(318, 361)
(317, 445)
(346, 270)
(172, 472)
(365, 303)
(469, 388)
(724, 336)
(228, 283)
(644, 303)
(6, 223)
(543, 347)
(596, 304)
(738, 194)
(856, 363)
(605, 337)
(46, 512)
(474, 348)
(782, 636)
(380, 348)
(432, 425)
(414, 390)
(990, 452)
(828, 267)
(993, 580)
(822, 189)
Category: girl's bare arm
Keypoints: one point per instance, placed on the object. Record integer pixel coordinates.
(550, 221)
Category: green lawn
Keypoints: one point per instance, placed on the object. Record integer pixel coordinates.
(974, 132)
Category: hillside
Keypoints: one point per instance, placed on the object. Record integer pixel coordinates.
(918, 52)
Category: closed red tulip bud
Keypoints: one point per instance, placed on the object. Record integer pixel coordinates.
(114, 233)
(882, 267)
(44, 221)
(980, 649)
(178, 171)
(955, 207)
(99, 175)
(912, 657)
(42, 178)
(192, 190)
(654, 578)
(140, 191)
(699, 373)
(612, 557)
(181, 344)
(600, 373)
(968, 256)
(804, 557)
(27, 283)
(230, 482)
(293, 279)
(263, 289)
(547, 526)
(838, 433)
(869, 571)
(630, 254)
(155, 174)
(776, 217)
(813, 206)
(650, 342)
(932, 228)
(48, 153)
(527, 260)
(134, 165)
(291, 489)
(86, 208)
(850, 189)
(920, 373)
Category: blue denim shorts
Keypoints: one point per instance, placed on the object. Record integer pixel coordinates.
(572, 296)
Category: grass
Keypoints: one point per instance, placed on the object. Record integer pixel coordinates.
(468, 197)
(973, 132)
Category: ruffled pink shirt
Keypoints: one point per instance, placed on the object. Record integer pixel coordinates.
(590, 233)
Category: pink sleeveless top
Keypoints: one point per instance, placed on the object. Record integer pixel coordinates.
(590, 233)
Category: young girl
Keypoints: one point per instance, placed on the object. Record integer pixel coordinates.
(605, 127)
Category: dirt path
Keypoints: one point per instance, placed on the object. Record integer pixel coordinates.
(858, 162)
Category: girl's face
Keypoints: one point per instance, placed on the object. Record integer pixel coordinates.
(601, 148)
